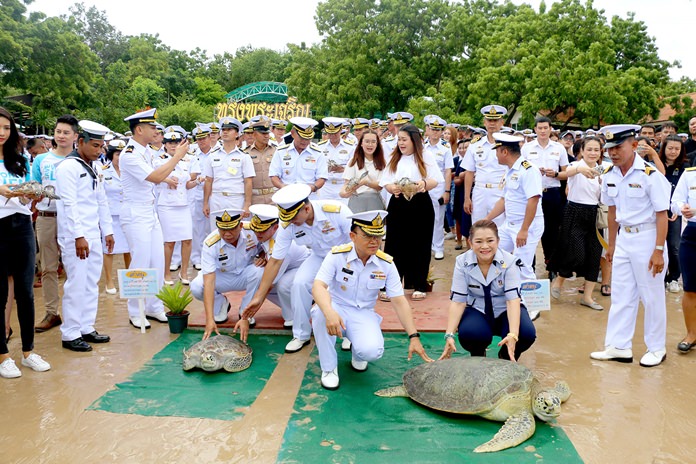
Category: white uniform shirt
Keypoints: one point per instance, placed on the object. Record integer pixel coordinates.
(522, 182)
(388, 145)
(295, 256)
(480, 158)
(503, 277)
(407, 167)
(583, 190)
(43, 170)
(352, 172)
(83, 210)
(196, 168)
(554, 156)
(112, 188)
(354, 285)
(228, 170)
(292, 167)
(136, 163)
(637, 195)
(218, 255)
(685, 192)
(331, 227)
(173, 197)
(13, 205)
(340, 155)
(443, 158)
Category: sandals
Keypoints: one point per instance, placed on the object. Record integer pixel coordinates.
(605, 290)
(417, 296)
(384, 297)
(685, 347)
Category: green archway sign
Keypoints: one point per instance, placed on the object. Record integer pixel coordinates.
(268, 98)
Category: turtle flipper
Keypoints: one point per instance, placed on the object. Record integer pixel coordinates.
(514, 431)
(562, 389)
(392, 392)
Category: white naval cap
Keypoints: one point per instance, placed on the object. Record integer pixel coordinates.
(117, 145)
(260, 123)
(91, 130)
(279, 124)
(360, 123)
(227, 219)
(401, 117)
(201, 131)
(214, 127)
(143, 117)
(262, 217)
(333, 125)
(304, 127)
(616, 134)
(370, 222)
(437, 123)
(178, 129)
(229, 122)
(506, 139)
(493, 111)
(290, 199)
(172, 136)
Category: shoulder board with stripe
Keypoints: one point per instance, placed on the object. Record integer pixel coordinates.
(475, 138)
(246, 225)
(649, 170)
(314, 146)
(213, 239)
(330, 208)
(130, 148)
(342, 248)
(284, 224)
(106, 166)
(283, 146)
(607, 169)
(323, 142)
(526, 164)
(349, 141)
(389, 139)
(690, 169)
(384, 257)
(245, 150)
(444, 142)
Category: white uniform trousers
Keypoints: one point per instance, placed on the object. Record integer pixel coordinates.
(281, 293)
(247, 280)
(508, 237)
(439, 228)
(144, 235)
(81, 289)
(631, 282)
(483, 200)
(301, 296)
(362, 329)
(201, 229)
(218, 202)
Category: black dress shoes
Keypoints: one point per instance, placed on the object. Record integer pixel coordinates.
(685, 347)
(79, 344)
(96, 337)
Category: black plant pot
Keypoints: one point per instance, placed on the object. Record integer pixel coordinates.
(178, 322)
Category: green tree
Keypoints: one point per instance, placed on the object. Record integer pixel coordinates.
(185, 113)
(208, 92)
(93, 27)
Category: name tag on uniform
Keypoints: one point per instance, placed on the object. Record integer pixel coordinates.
(222, 257)
(83, 175)
(300, 234)
(635, 186)
(474, 286)
(611, 185)
(347, 271)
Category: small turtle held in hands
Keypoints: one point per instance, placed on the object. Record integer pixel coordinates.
(34, 189)
(495, 389)
(355, 181)
(408, 188)
(219, 352)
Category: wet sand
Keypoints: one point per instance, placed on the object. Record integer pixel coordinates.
(617, 412)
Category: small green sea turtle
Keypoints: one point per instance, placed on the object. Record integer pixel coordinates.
(35, 189)
(495, 389)
(219, 352)
(408, 187)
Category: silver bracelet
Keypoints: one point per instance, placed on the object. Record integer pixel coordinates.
(450, 335)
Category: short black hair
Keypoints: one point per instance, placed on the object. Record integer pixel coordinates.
(541, 119)
(70, 120)
(33, 142)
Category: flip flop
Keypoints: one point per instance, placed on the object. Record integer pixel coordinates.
(605, 290)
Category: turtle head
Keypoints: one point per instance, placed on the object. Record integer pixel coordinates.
(546, 405)
(210, 361)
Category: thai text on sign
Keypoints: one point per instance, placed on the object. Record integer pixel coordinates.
(247, 110)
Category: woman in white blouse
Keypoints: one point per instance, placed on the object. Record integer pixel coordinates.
(580, 249)
(410, 222)
(368, 158)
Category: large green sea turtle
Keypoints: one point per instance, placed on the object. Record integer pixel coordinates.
(495, 389)
(219, 352)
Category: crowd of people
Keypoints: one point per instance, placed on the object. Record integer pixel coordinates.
(326, 228)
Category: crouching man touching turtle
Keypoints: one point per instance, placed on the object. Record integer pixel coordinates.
(345, 291)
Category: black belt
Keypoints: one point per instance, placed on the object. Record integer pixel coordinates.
(48, 214)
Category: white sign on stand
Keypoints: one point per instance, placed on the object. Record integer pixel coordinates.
(536, 294)
(140, 284)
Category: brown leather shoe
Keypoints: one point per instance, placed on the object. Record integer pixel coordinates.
(48, 322)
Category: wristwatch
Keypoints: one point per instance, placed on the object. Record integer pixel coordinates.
(660, 247)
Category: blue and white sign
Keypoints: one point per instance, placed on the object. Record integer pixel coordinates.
(138, 283)
(536, 294)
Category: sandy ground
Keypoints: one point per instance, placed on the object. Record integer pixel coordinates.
(617, 413)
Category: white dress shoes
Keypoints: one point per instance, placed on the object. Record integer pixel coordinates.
(159, 317)
(135, 322)
(329, 380)
(653, 358)
(613, 354)
(358, 365)
(346, 344)
(296, 345)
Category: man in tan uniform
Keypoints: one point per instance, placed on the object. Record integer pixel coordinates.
(261, 153)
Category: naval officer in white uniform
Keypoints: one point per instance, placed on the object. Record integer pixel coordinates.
(638, 199)
(83, 215)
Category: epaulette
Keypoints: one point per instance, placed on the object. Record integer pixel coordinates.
(129, 149)
(246, 225)
(349, 141)
(384, 257)
(245, 150)
(607, 169)
(191, 152)
(214, 149)
(164, 156)
(649, 170)
(389, 139)
(331, 208)
(445, 143)
(526, 164)
(284, 224)
(283, 146)
(314, 146)
(213, 239)
(106, 166)
(345, 248)
(691, 169)
(323, 142)
(475, 138)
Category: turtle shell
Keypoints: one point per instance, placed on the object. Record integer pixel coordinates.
(219, 352)
(466, 385)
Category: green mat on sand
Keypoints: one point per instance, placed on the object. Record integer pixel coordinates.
(352, 425)
(162, 388)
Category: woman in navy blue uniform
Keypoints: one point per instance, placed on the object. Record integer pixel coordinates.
(486, 299)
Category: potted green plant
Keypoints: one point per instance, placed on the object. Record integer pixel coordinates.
(176, 302)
